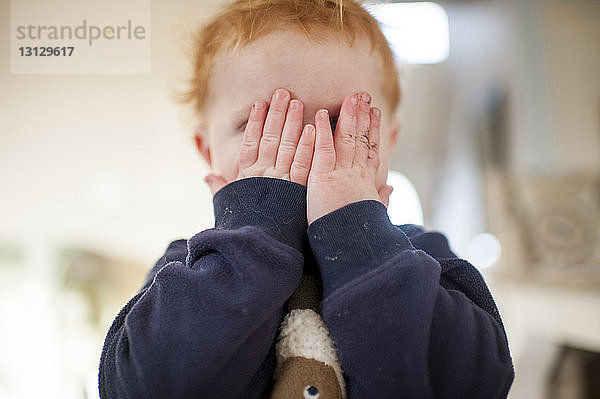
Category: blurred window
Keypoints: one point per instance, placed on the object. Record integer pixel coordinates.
(417, 32)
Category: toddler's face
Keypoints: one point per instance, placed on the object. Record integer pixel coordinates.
(318, 75)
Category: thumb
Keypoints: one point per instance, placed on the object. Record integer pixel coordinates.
(215, 182)
(384, 193)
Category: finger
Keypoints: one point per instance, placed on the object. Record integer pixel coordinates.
(269, 142)
(292, 129)
(251, 138)
(345, 132)
(363, 125)
(324, 156)
(215, 182)
(303, 158)
(374, 140)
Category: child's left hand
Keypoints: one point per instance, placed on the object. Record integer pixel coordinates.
(344, 172)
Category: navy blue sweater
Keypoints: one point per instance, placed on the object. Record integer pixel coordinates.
(409, 319)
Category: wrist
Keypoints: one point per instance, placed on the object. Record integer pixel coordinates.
(318, 209)
(353, 240)
(273, 205)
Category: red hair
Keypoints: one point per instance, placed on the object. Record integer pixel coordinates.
(244, 21)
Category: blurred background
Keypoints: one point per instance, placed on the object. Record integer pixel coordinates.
(500, 139)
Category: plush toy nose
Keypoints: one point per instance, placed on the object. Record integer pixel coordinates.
(304, 378)
(310, 392)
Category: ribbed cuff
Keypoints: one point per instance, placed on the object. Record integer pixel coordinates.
(275, 206)
(353, 240)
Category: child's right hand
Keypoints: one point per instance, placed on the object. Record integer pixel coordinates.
(277, 147)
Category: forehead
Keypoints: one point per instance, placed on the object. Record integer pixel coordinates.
(320, 75)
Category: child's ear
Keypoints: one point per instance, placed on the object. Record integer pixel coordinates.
(201, 138)
(394, 132)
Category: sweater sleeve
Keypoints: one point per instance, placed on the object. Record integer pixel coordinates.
(205, 321)
(405, 323)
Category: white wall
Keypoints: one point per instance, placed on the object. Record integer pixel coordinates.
(107, 161)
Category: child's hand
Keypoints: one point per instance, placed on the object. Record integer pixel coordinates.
(345, 172)
(277, 147)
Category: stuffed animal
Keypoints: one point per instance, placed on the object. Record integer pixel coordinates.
(307, 362)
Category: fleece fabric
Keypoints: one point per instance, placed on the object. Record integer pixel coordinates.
(408, 318)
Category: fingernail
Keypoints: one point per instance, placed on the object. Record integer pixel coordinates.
(376, 113)
(259, 105)
(295, 104)
(280, 94)
(354, 99)
(366, 97)
(324, 113)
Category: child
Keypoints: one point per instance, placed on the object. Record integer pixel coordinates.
(294, 193)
